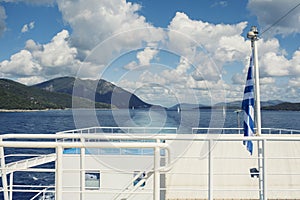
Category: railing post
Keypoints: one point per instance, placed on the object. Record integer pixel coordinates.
(156, 181)
(11, 181)
(264, 161)
(3, 172)
(210, 171)
(82, 171)
(58, 172)
(262, 169)
(260, 180)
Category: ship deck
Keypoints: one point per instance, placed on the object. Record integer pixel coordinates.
(154, 163)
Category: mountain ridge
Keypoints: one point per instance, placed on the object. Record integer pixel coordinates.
(237, 105)
(14, 95)
(94, 90)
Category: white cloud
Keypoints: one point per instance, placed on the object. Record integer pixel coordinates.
(114, 22)
(31, 25)
(31, 80)
(32, 46)
(57, 53)
(106, 30)
(178, 76)
(274, 65)
(295, 63)
(295, 82)
(238, 79)
(27, 27)
(268, 12)
(32, 2)
(224, 44)
(272, 60)
(207, 46)
(267, 80)
(146, 56)
(20, 64)
(203, 33)
(131, 66)
(38, 62)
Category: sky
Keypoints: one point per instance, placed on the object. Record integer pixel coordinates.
(166, 52)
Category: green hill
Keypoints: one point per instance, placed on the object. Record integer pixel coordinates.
(15, 95)
(95, 90)
(284, 106)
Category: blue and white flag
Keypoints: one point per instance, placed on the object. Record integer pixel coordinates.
(248, 107)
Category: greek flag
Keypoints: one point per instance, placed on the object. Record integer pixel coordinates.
(248, 107)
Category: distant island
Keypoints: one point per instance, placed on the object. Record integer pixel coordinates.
(59, 93)
(236, 105)
(284, 106)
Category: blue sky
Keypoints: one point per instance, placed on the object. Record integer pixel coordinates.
(166, 52)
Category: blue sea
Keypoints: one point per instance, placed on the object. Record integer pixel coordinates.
(53, 121)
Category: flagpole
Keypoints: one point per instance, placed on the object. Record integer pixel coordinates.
(253, 36)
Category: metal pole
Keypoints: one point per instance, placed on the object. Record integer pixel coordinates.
(156, 182)
(253, 36)
(58, 178)
(260, 167)
(82, 171)
(257, 87)
(3, 172)
(264, 169)
(238, 121)
(210, 171)
(11, 181)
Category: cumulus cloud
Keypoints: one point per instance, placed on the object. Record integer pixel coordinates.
(295, 63)
(20, 64)
(269, 11)
(32, 2)
(101, 22)
(106, 30)
(38, 62)
(131, 66)
(238, 79)
(206, 45)
(295, 82)
(273, 62)
(57, 52)
(143, 58)
(146, 56)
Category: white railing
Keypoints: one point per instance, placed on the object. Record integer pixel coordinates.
(125, 130)
(55, 141)
(198, 130)
(88, 138)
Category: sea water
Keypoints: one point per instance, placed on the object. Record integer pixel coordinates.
(53, 121)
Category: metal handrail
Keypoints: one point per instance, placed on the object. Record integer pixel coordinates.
(127, 129)
(224, 130)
